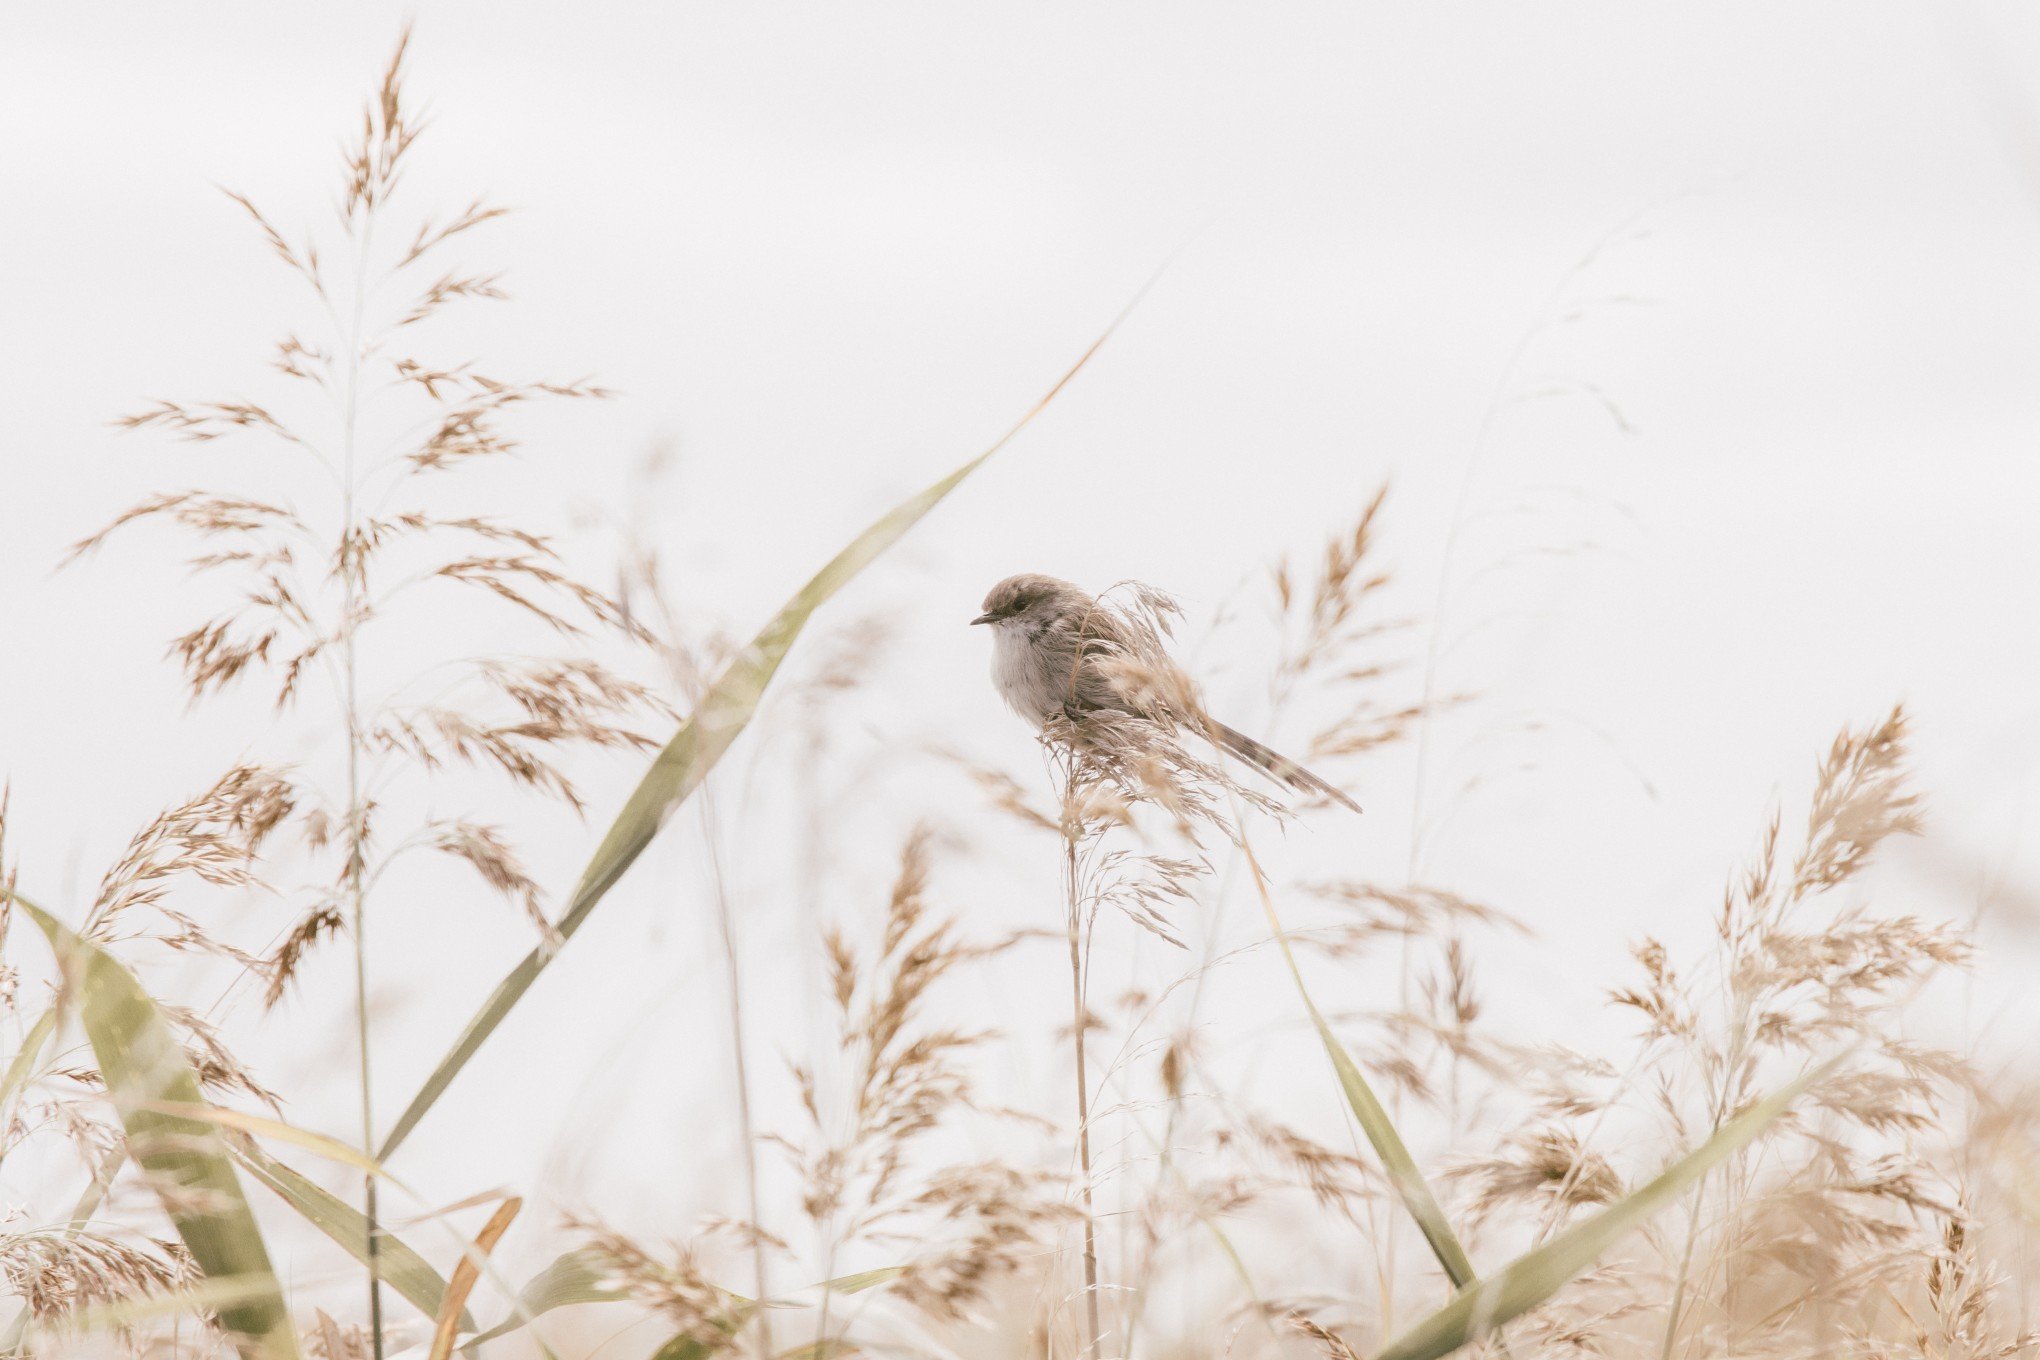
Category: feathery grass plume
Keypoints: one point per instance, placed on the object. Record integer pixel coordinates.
(183, 1166)
(1331, 629)
(89, 1255)
(365, 407)
(1800, 1232)
(309, 587)
(868, 1185)
(58, 1273)
(1438, 1063)
(1328, 1343)
(706, 1318)
(1948, 1301)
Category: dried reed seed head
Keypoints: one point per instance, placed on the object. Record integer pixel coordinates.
(59, 1272)
(321, 920)
(488, 853)
(671, 1283)
(1538, 1168)
(214, 837)
(1336, 595)
(1008, 796)
(1325, 1341)
(864, 1171)
(1179, 1056)
(330, 1340)
(1340, 1181)
(1001, 1219)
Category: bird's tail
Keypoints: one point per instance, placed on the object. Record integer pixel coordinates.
(1274, 764)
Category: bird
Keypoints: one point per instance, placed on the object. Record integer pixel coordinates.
(1050, 657)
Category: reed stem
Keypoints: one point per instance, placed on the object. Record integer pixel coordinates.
(357, 829)
(1071, 900)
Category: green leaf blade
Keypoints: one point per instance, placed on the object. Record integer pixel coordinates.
(1402, 1168)
(573, 1277)
(1372, 1116)
(395, 1261)
(28, 1055)
(1534, 1277)
(142, 1064)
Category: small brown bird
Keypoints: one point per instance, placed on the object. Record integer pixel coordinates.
(1054, 653)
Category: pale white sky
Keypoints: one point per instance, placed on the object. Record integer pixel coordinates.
(832, 249)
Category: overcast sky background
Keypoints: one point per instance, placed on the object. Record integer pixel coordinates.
(1733, 312)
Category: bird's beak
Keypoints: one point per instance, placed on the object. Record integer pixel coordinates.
(983, 618)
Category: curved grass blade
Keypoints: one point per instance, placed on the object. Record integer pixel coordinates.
(25, 1058)
(573, 1277)
(403, 1268)
(141, 1062)
(208, 1295)
(843, 1284)
(1402, 1169)
(406, 1271)
(741, 1310)
(465, 1276)
(701, 741)
(332, 1149)
(1535, 1276)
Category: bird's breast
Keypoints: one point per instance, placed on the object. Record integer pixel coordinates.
(1021, 678)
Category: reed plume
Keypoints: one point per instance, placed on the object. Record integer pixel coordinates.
(389, 429)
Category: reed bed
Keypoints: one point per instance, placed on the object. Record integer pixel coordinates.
(1762, 1161)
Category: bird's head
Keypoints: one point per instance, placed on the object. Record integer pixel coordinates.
(1027, 596)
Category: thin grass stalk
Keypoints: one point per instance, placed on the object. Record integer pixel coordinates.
(727, 928)
(1213, 930)
(1477, 452)
(357, 849)
(1137, 1309)
(1073, 906)
(828, 1297)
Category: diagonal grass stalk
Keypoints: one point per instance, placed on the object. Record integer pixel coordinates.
(1079, 1024)
(1367, 1108)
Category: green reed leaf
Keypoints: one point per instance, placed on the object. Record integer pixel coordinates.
(1402, 1169)
(22, 1064)
(708, 732)
(684, 1347)
(573, 1277)
(142, 1063)
(1403, 1173)
(396, 1262)
(1535, 1276)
